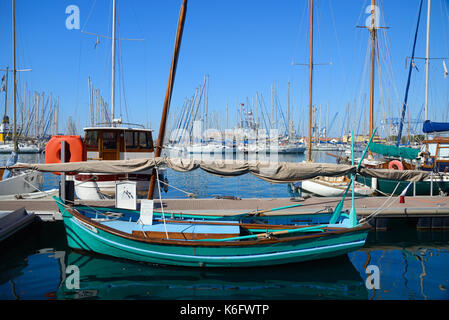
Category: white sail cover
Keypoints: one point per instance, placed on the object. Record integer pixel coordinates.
(274, 172)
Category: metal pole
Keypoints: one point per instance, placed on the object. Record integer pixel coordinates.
(14, 72)
(63, 191)
(309, 158)
(113, 61)
(427, 63)
(431, 183)
(373, 55)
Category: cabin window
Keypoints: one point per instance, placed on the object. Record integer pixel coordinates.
(444, 151)
(432, 149)
(131, 139)
(91, 139)
(145, 140)
(109, 140)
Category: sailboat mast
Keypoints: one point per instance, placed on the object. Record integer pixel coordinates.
(310, 82)
(373, 55)
(168, 94)
(14, 72)
(427, 62)
(114, 5)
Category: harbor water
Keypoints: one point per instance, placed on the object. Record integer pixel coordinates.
(399, 264)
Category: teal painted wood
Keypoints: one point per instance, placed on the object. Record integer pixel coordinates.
(81, 235)
(422, 188)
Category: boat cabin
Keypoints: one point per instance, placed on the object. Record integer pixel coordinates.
(437, 157)
(118, 143)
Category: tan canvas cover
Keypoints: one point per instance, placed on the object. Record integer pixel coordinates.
(275, 172)
(400, 175)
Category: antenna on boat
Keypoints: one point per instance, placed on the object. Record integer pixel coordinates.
(168, 94)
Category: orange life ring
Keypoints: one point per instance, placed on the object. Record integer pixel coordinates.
(395, 165)
(75, 150)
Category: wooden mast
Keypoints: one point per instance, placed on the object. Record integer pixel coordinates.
(373, 56)
(168, 94)
(309, 158)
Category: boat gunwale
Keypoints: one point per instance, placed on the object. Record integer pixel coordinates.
(189, 243)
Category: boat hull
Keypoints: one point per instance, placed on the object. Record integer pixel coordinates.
(330, 189)
(102, 186)
(419, 188)
(81, 234)
(25, 182)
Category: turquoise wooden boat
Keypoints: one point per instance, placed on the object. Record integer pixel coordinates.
(246, 240)
(211, 243)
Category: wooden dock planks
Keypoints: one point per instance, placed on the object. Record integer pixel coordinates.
(418, 207)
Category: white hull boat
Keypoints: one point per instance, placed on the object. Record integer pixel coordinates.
(21, 182)
(22, 148)
(333, 187)
(101, 186)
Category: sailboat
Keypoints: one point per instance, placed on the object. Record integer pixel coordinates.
(6, 129)
(116, 141)
(432, 156)
(323, 186)
(21, 181)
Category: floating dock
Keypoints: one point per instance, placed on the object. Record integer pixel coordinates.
(13, 221)
(430, 212)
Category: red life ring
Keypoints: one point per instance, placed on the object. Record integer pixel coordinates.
(395, 165)
(75, 150)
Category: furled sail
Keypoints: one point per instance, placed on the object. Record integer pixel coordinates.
(274, 172)
(393, 151)
(430, 126)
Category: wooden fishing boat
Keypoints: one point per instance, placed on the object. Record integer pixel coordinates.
(210, 244)
(248, 239)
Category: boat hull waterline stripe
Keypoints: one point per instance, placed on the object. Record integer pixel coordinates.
(265, 255)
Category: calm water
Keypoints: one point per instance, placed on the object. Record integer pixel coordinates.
(411, 265)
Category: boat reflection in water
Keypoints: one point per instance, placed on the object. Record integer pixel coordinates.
(108, 278)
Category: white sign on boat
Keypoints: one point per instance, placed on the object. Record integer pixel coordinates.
(126, 195)
(146, 212)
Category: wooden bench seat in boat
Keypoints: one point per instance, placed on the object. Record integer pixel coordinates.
(181, 231)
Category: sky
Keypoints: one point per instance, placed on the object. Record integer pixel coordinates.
(245, 47)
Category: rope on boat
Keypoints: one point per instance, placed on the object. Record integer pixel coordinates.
(380, 209)
(190, 194)
(160, 199)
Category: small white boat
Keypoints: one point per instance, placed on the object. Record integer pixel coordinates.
(22, 148)
(21, 182)
(333, 187)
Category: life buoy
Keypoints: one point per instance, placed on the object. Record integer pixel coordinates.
(395, 165)
(75, 150)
